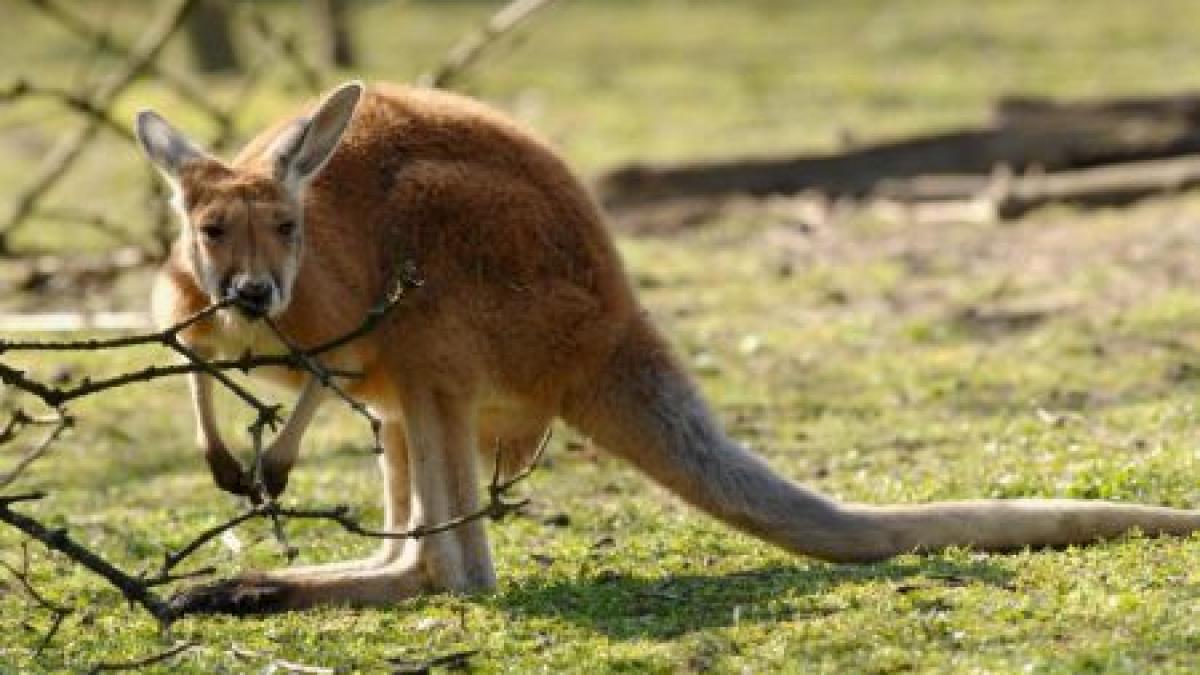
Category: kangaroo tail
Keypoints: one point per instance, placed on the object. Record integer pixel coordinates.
(643, 407)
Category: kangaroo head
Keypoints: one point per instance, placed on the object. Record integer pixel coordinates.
(243, 229)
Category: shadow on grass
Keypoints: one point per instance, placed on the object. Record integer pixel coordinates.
(626, 607)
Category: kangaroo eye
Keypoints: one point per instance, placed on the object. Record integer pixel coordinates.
(286, 228)
(212, 232)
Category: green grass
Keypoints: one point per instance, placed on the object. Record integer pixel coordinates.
(844, 352)
(618, 81)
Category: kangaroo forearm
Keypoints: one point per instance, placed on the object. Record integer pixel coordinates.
(208, 434)
(286, 446)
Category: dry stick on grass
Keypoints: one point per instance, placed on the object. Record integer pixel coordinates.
(274, 663)
(70, 148)
(472, 46)
(459, 660)
(169, 653)
(131, 587)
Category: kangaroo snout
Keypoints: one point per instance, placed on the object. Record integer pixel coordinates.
(254, 297)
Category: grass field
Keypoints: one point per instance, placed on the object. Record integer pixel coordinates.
(1055, 356)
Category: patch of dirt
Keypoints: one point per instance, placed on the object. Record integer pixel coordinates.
(1006, 276)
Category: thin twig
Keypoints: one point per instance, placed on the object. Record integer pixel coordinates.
(468, 50)
(57, 611)
(64, 155)
(459, 660)
(278, 663)
(83, 105)
(101, 39)
(327, 380)
(35, 453)
(171, 652)
(285, 47)
(267, 415)
(94, 220)
(58, 539)
(497, 508)
(21, 419)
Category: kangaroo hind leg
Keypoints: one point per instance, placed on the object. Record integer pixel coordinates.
(438, 434)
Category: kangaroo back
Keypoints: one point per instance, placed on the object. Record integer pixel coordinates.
(644, 408)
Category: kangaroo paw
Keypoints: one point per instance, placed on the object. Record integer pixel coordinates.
(239, 596)
(228, 473)
(275, 477)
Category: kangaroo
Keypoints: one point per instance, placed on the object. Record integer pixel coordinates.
(526, 315)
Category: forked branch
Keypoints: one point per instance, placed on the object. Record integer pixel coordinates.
(139, 589)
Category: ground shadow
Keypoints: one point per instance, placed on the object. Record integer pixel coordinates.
(627, 607)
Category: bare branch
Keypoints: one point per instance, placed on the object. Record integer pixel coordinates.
(284, 45)
(171, 652)
(21, 419)
(274, 663)
(140, 589)
(81, 104)
(103, 40)
(497, 508)
(328, 380)
(94, 220)
(472, 46)
(57, 539)
(70, 148)
(453, 661)
(36, 451)
(57, 611)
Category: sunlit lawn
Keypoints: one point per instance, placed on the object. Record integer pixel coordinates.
(879, 362)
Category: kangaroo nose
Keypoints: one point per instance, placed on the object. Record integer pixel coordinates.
(253, 297)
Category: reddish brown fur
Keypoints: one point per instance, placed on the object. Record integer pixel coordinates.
(467, 197)
(526, 315)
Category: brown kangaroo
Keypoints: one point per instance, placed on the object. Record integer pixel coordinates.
(526, 315)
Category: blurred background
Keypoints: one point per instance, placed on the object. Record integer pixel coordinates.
(615, 84)
(930, 249)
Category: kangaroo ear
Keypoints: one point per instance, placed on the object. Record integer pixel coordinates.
(168, 149)
(304, 147)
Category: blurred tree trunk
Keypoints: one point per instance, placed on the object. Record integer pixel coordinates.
(336, 45)
(210, 37)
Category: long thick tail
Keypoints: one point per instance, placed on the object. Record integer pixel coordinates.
(644, 408)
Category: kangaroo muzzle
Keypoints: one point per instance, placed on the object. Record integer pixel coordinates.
(254, 297)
